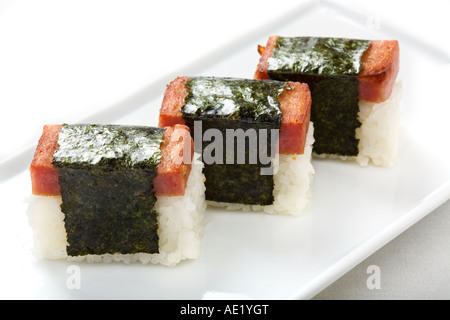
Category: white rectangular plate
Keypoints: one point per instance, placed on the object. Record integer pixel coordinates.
(353, 211)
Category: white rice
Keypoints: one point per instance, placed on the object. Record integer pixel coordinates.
(379, 132)
(180, 220)
(292, 184)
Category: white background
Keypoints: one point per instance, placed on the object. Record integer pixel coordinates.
(63, 61)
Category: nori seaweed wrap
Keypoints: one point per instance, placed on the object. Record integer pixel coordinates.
(249, 111)
(330, 66)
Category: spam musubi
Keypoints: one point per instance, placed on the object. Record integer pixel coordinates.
(254, 137)
(106, 193)
(354, 89)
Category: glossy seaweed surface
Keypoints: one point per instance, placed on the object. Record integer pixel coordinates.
(243, 100)
(319, 56)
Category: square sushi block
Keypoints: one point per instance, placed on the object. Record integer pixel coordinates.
(255, 138)
(106, 193)
(355, 92)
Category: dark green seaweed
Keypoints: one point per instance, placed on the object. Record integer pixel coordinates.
(330, 66)
(106, 174)
(228, 103)
(319, 56)
(230, 180)
(241, 183)
(243, 100)
(334, 112)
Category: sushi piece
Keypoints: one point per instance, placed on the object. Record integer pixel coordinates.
(354, 88)
(106, 193)
(254, 136)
